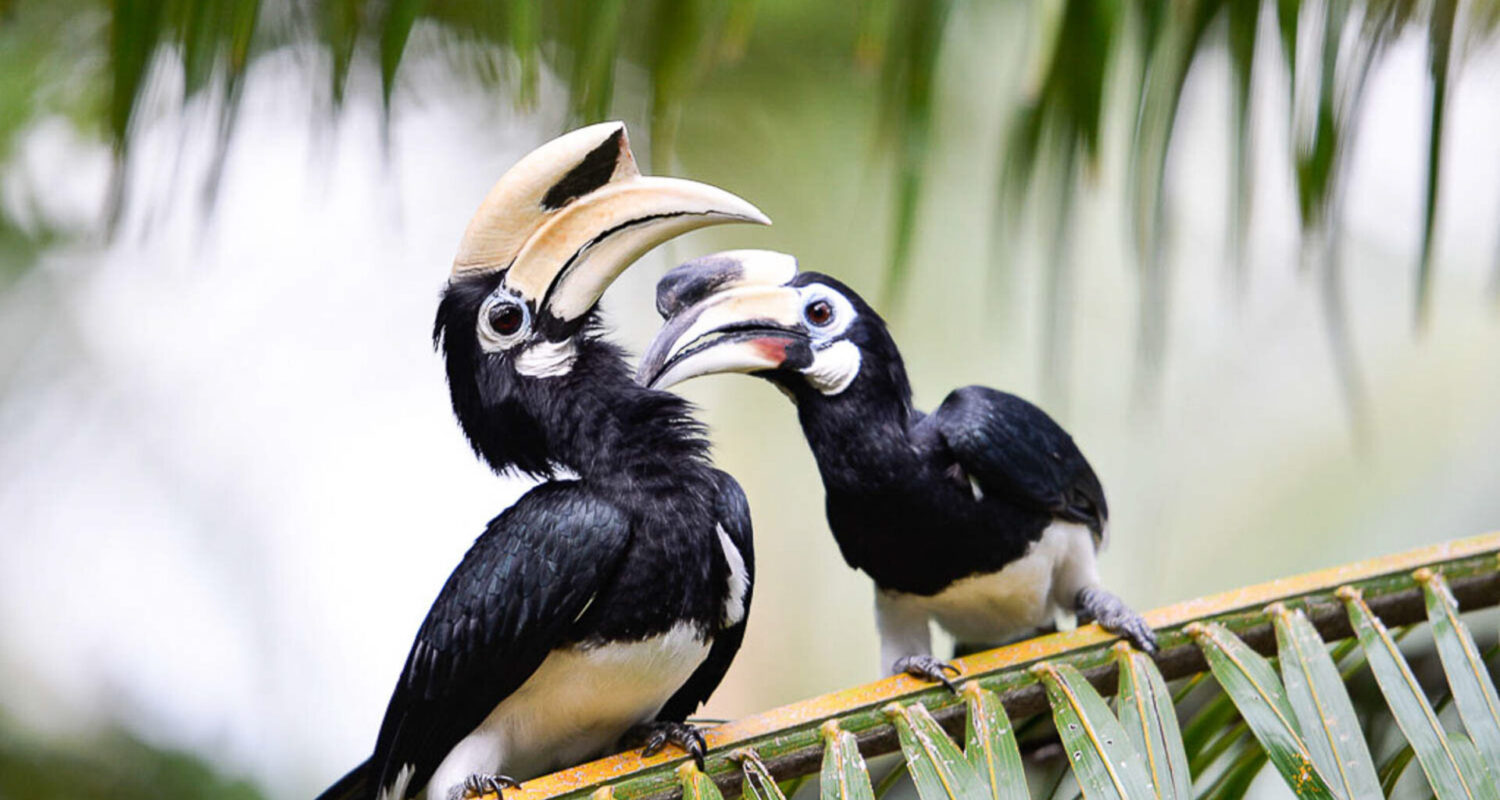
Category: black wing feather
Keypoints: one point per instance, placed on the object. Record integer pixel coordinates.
(733, 512)
(509, 603)
(1014, 450)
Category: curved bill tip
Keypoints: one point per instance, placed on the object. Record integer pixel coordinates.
(566, 266)
(724, 318)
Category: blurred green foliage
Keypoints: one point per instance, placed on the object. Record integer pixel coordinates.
(1056, 128)
(112, 764)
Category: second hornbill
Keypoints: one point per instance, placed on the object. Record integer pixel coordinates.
(602, 605)
(982, 515)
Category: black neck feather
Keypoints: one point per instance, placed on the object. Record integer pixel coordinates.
(862, 435)
(594, 420)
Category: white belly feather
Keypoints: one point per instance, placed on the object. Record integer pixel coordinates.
(1024, 595)
(574, 707)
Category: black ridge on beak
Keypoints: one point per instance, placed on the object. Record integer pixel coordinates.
(727, 312)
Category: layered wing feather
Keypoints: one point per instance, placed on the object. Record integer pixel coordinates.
(1012, 449)
(733, 515)
(513, 599)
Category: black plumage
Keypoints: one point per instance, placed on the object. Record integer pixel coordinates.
(954, 514)
(607, 602)
(893, 473)
(623, 553)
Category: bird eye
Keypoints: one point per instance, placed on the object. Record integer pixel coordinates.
(506, 319)
(819, 312)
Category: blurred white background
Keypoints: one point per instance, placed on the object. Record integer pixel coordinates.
(230, 483)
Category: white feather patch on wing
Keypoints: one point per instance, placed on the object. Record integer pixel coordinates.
(739, 581)
(547, 359)
(397, 789)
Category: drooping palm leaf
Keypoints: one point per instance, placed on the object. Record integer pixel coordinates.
(1150, 721)
(696, 785)
(990, 745)
(1473, 690)
(1439, 49)
(938, 768)
(758, 785)
(1322, 707)
(1261, 698)
(845, 776)
(1443, 761)
(1055, 133)
(1243, 27)
(1105, 762)
(910, 56)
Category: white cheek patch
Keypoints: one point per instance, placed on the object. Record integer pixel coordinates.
(834, 367)
(547, 359)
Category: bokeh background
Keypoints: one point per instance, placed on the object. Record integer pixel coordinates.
(1248, 253)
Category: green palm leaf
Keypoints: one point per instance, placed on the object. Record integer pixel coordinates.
(696, 785)
(990, 745)
(1261, 699)
(844, 774)
(1149, 719)
(1469, 678)
(1324, 713)
(1235, 633)
(938, 769)
(1470, 763)
(1104, 761)
(759, 785)
(1439, 47)
(1235, 782)
(1395, 768)
(1441, 762)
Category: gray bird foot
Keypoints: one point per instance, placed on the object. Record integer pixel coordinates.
(928, 668)
(481, 784)
(651, 737)
(1097, 605)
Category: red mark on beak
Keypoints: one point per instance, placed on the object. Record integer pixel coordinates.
(772, 349)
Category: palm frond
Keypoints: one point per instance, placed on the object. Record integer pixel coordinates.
(1324, 712)
(1303, 721)
(990, 745)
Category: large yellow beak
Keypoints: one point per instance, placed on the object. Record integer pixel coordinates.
(728, 312)
(567, 219)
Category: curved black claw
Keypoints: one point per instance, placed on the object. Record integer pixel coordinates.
(481, 784)
(928, 668)
(1114, 616)
(651, 737)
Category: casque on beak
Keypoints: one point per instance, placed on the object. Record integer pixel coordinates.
(728, 312)
(567, 219)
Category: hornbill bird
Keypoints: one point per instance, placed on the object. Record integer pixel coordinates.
(602, 605)
(982, 515)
